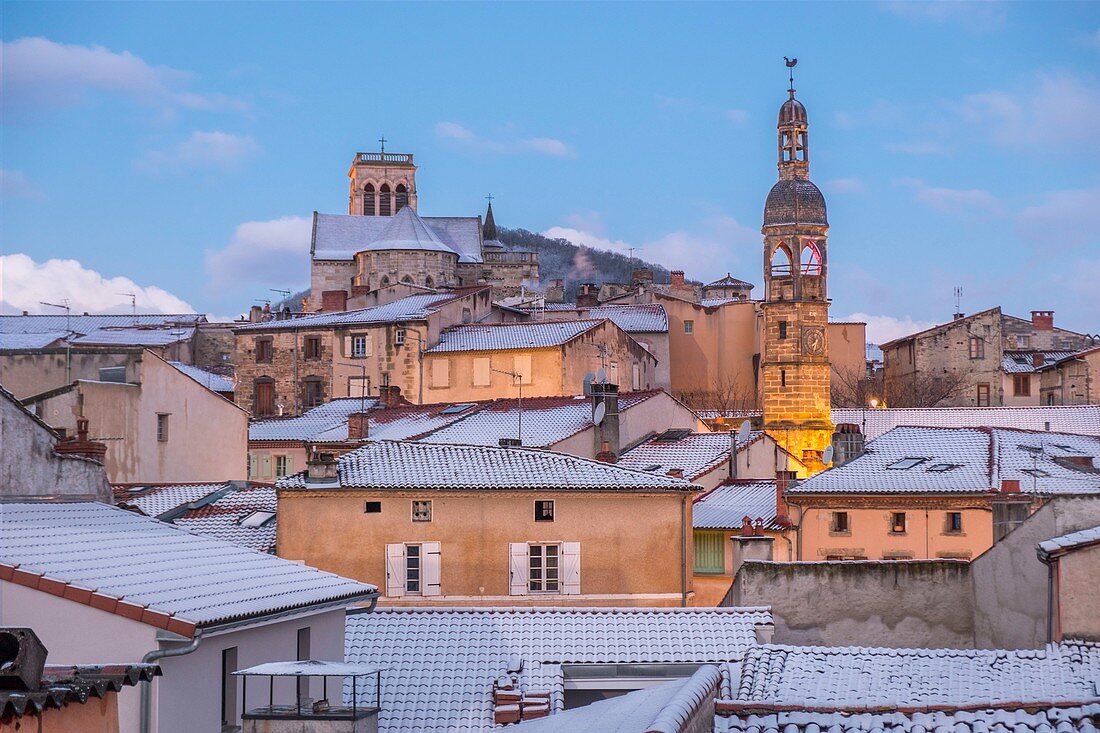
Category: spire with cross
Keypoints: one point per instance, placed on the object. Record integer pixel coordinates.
(382, 142)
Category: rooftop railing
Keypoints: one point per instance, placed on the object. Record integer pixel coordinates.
(384, 158)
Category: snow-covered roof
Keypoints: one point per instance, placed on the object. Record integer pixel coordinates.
(505, 336)
(728, 281)
(546, 420)
(410, 308)
(664, 708)
(918, 460)
(151, 571)
(407, 231)
(134, 337)
(726, 506)
(155, 500)
(340, 236)
(1071, 541)
(441, 663)
(210, 380)
(1023, 362)
(247, 517)
(312, 422)
(1072, 719)
(30, 340)
(1081, 419)
(309, 668)
(634, 318)
(696, 454)
(84, 324)
(398, 465)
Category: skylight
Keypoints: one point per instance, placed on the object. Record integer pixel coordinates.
(136, 489)
(671, 436)
(1036, 472)
(906, 463)
(257, 519)
(1067, 448)
(652, 467)
(455, 409)
(942, 467)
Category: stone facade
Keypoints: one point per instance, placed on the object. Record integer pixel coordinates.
(377, 269)
(376, 180)
(1072, 381)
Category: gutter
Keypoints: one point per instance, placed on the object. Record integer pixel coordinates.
(147, 687)
(683, 550)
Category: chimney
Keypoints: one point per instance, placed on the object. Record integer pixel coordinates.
(22, 659)
(1038, 359)
(640, 276)
(322, 469)
(675, 473)
(750, 547)
(1010, 486)
(607, 432)
(555, 293)
(334, 300)
(357, 426)
(605, 455)
(358, 291)
(509, 442)
(80, 445)
(255, 314)
(958, 316)
(783, 481)
(677, 279)
(389, 396)
(848, 443)
(1042, 320)
(589, 296)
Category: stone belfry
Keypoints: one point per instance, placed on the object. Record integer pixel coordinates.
(381, 184)
(795, 353)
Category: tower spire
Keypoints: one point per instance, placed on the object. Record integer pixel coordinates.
(489, 228)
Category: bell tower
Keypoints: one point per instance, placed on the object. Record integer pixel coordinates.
(381, 184)
(795, 367)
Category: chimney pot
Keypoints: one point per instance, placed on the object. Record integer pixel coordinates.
(605, 455)
(1042, 320)
(677, 278)
(389, 396)
(1010, 486)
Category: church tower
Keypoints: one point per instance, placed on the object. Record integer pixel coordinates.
(795, 351)
(381, 183)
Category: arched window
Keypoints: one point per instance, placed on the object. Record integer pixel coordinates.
(384, 201)
(263, 397)
(428, 282)
(385, 280)
(810, 262)
(407, 280)
(781, 261)
(368, 200)
(401, 197)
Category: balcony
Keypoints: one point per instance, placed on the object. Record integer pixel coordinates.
(403, 158)
(303, 714)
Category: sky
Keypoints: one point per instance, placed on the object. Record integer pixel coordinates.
(177, 150)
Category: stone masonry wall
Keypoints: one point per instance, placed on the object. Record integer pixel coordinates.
(287, 367)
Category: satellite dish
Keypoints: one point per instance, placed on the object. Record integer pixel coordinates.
(598, 413)
(827, 456)
(588, 383)
(743, 432)
(601, 376)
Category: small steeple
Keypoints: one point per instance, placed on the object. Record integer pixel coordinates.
(489, 228)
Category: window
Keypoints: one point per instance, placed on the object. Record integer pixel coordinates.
(263, 397)
(313, 347)
(977, 348)
(782, 377)
(422, 511)
(372, 507)
(840, 522)
(112, 374)
(358, 386)
(944, 467)
(635, 377)
(782, 329)
(781, 261)
(257, 519)
(368, 200)
(543, 565)
(482, 371)
(811, 258)
(358, 346)
(162, 428)
(313, 391)
(1034, 472)
(521, 365)
(413, 569)
(983, 395)
(1021, 385)
(385, 202)
(282, 466)
(229, 686)
(689, 326)
(441, 373)
(954, 522)
(897, 523)
(401, 197)
(1023, 341)
(264, 351)
(544, 510)
(905, 464)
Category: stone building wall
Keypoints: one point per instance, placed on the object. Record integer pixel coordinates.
(214, 344)
(329, 275)
(378, 268)
(288, 366)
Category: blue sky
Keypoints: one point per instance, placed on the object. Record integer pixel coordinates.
(177, 150)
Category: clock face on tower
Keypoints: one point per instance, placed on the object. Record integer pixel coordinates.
(813, 341)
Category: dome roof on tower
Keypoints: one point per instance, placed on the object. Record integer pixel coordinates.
(792, 111)
(407, 231)
(795, 201)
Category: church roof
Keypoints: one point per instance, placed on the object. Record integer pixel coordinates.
(795, 201)
(729, 281)
(340, 236)
(407, 231)
(489, 228)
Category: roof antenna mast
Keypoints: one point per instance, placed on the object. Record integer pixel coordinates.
(958, 302)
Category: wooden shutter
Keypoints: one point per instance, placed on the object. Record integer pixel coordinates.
(289, 465)
(430, 569)
(521, 365)
(267, 467)
(395, 570)
(571, 568)
(518, 569)
(441, 372)
(347, 346)
(482, 374)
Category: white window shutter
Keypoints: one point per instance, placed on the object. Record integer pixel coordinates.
(518, 569)
(347, 346)
(430, 569)
(571, 568)
(395, 570)
(368, 345)
(289, 465)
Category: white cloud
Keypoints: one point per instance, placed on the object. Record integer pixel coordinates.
(40, 73)
(980, 16)
(738, 116)
(542, 145)
(26, 283)
(1064, 219)
(213, 149)
(965, 202)
(272, 253)
(13, 184)
(844, 185)
(881, 329)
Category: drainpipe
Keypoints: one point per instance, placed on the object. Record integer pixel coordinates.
(147, 687)
(683, 551)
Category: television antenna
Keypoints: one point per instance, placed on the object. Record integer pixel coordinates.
(958, 301)
(517, 379)
(133, 304)
(67, 305)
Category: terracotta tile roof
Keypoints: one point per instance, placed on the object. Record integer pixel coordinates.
(246, 517)
(509, 336)
(312, 422)
(153, 572)
(727, 505)
(155, 500)
(401, 465)
(66, 684)
(1080, 419)
(442, 662)
(1022, 362)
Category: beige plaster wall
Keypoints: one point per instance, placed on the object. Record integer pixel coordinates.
(32, 372)
(1079, 594)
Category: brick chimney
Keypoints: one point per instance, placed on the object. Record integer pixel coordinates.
(589, 296)
(255, 314)
(1038, 359)
(334, 300)
(80, 445)
(389, 396)
(677, 279)
(605, 455)
(642, 275)
(1042, 320)
(358, 426)
(783, 481)
(1010, 486)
